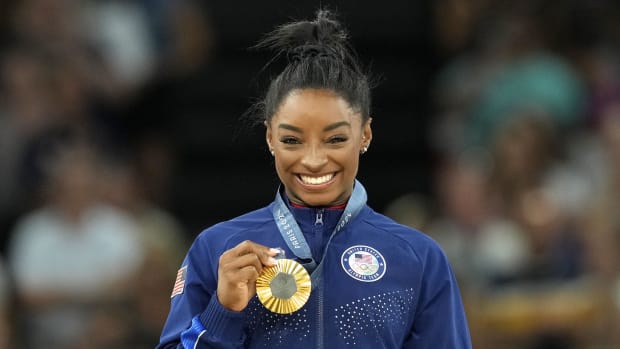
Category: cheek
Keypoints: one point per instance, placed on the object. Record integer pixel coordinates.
(350, 161)
(284, 160)
(283, 165)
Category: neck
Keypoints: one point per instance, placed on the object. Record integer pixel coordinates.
(334, 207)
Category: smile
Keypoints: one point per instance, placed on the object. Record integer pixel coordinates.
(316, 180)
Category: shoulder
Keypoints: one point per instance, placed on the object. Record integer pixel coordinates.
(419, 242)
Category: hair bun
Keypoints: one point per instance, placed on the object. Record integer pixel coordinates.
(322, 37)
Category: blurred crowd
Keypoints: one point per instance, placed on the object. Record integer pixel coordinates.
(525, 131)
(88, 251)
(526, 202)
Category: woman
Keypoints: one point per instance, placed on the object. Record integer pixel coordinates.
(374, 283)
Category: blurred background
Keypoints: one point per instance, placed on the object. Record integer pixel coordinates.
(496, 131)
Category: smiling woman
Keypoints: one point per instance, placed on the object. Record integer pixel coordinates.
(346, 276)
(316, 139)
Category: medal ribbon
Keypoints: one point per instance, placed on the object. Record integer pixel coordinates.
(292, 234)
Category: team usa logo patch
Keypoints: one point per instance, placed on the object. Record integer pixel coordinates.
(179, 283)
(363, 263)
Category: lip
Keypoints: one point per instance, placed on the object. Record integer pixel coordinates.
(316, 186)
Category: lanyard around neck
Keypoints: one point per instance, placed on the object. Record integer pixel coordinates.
(292, 234)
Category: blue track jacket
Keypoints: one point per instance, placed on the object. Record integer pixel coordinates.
(384, 285)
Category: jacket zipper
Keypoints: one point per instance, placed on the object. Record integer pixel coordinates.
(318, 227)
(318, 233)
(319, 217)
(320, 329)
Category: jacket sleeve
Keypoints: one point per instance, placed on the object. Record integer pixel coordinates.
(440, 321)
(196, 318)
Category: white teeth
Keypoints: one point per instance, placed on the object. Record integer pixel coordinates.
(316, 180)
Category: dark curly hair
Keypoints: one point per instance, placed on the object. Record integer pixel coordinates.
(318, 56)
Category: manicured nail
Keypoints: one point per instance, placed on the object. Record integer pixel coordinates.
(272, 261)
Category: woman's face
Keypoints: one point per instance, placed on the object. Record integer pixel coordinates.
(316, 140)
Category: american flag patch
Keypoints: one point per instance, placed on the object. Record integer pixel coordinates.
(363, 258)
(179, 283)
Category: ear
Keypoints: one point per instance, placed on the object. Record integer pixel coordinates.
(269, 137)
(366, 133)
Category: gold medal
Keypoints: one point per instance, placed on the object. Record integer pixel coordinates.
(284, 288)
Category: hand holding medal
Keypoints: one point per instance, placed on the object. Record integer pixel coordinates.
(238, 269)
(285, 287)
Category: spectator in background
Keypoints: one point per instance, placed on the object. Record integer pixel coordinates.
(43, 97)
(486, 248)
(24, 114)
(602, 223)
(52, 81)
(603, 219)
(508, 72)
(162, 239)
(119, 32)
(522, 153)
(73, 254)
(179, 88)
(529, 184)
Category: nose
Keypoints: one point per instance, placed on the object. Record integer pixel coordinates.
(314, 158)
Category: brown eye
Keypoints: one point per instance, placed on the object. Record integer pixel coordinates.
(337, 139)
(289, 140)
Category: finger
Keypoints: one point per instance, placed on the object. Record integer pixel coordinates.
(243, 261)
(243, 278)
(264, 253)
(250, 274)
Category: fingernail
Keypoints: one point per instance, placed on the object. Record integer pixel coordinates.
(274, 250)
(272, 261)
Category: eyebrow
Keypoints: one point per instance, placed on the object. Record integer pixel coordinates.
(327, 128)
(336, 125)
